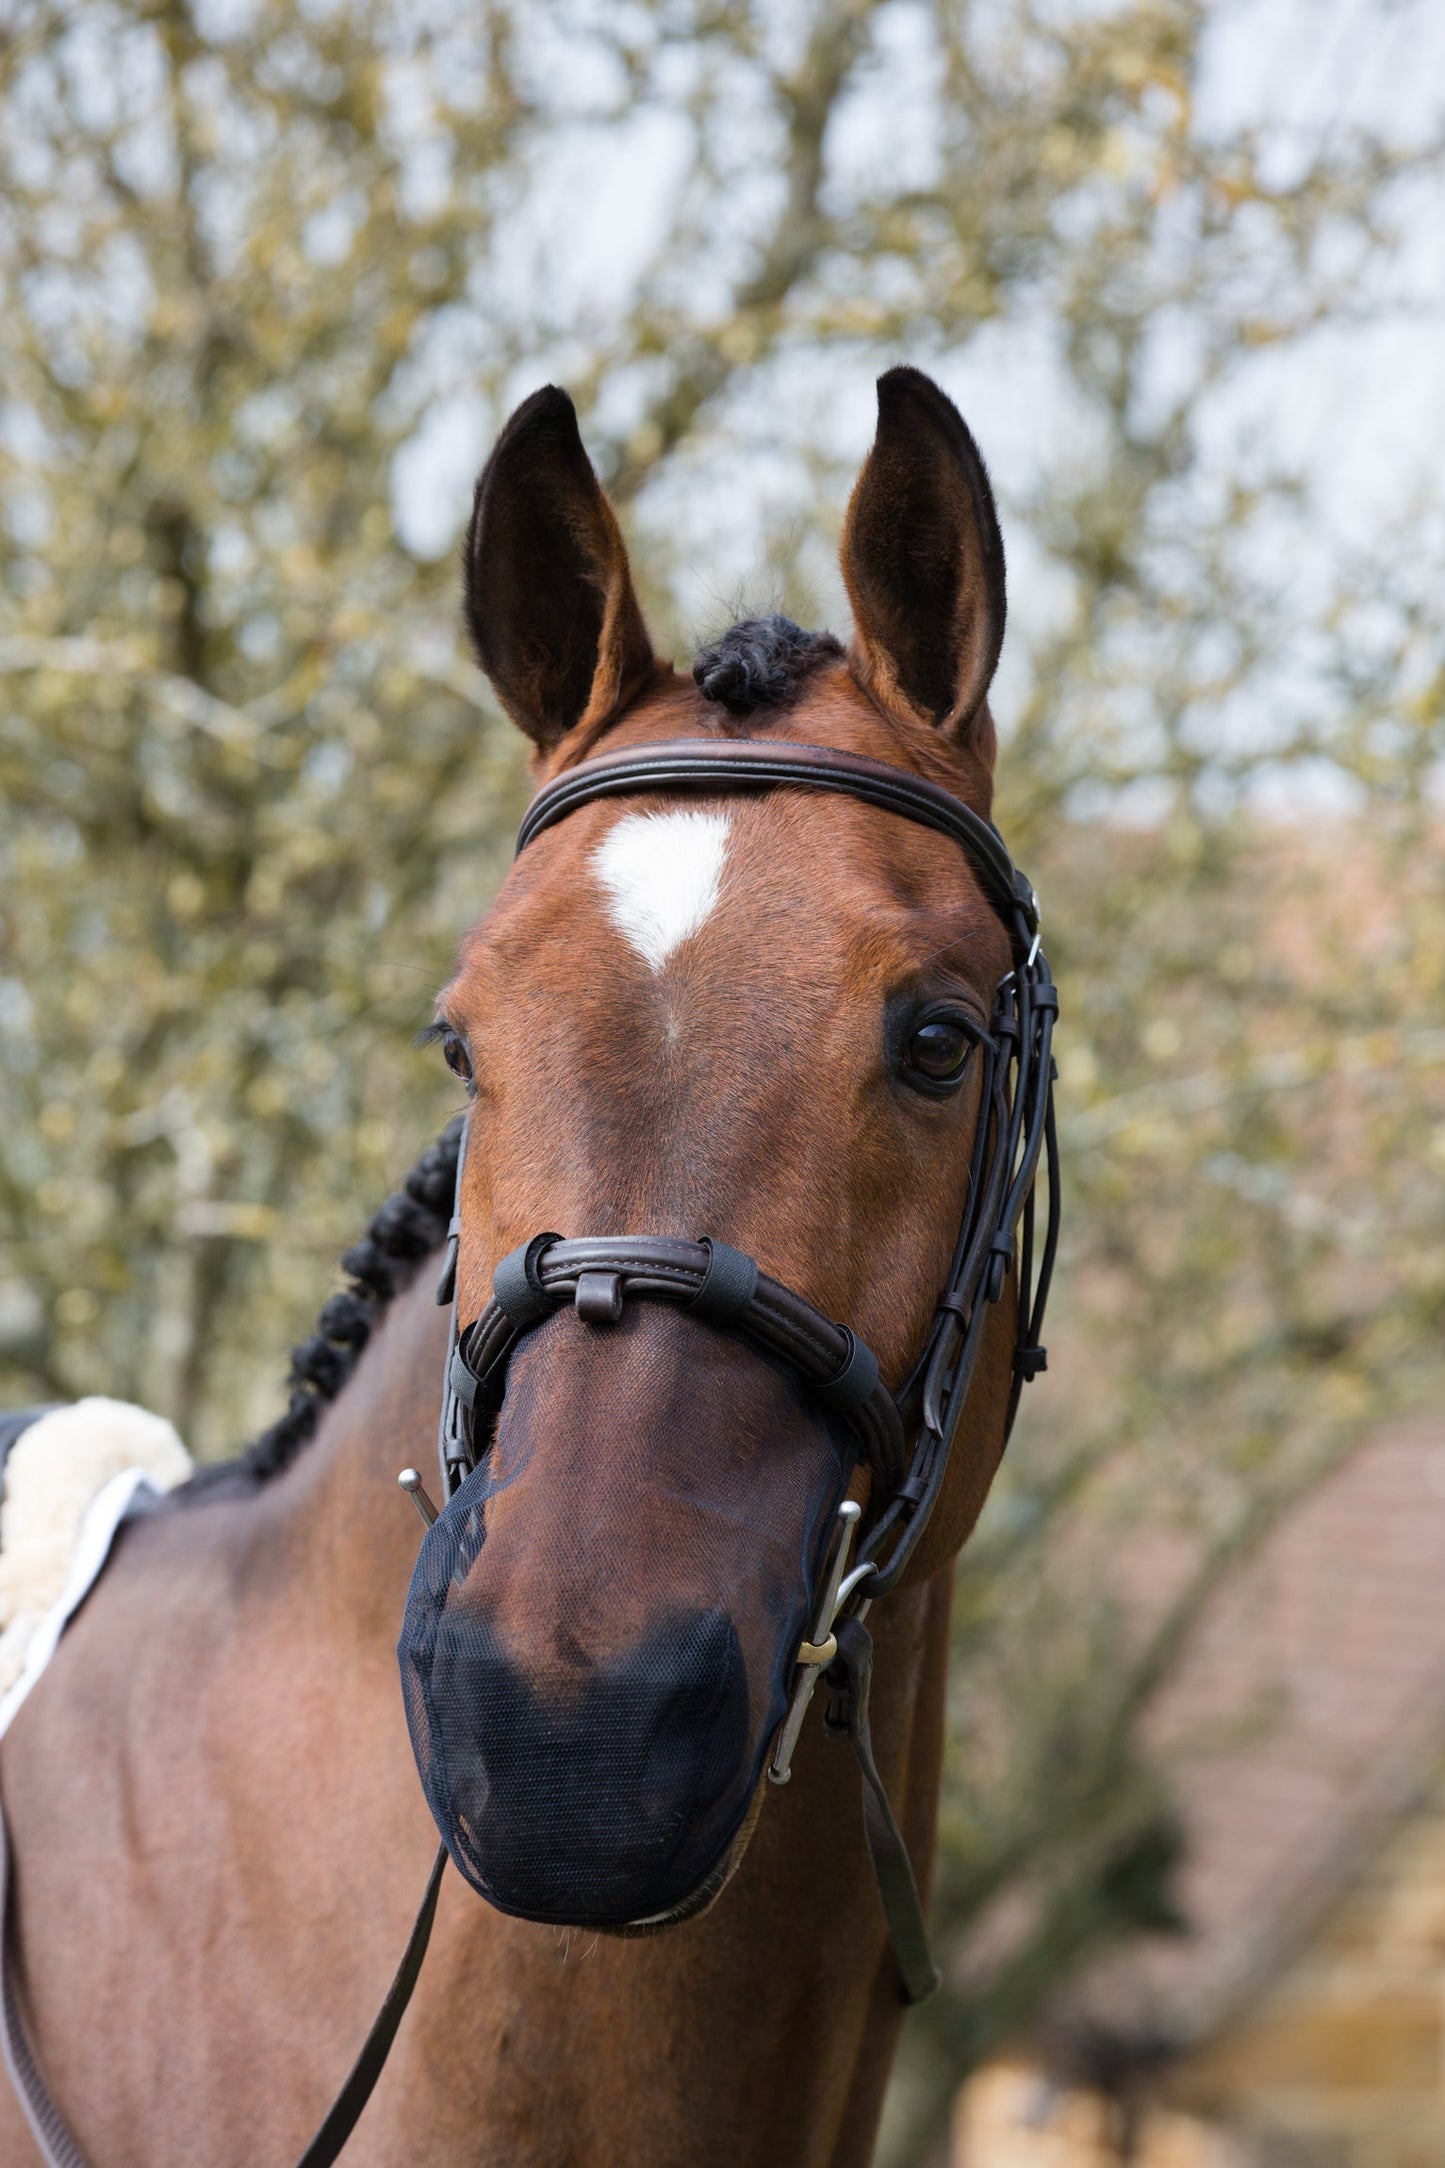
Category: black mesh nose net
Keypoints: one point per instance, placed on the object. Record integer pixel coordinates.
(603, 1622)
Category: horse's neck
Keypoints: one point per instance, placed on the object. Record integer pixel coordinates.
(351, 1534)
(600, 2050)
(262, 1752)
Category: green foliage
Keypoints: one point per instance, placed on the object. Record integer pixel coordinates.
(252, 793)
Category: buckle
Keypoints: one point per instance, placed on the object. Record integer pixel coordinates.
(821, 1646)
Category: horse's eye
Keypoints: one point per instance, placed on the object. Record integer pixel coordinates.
(456, 1057)
(939, 1050)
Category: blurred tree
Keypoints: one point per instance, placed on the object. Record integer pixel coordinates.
(252, 789)
(272, 273)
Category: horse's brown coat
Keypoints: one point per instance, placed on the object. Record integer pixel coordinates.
(218, 1828)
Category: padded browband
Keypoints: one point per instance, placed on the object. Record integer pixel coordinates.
(718, 1284)
(741, 763)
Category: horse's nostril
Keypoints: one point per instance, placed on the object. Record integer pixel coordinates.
(574, 1795)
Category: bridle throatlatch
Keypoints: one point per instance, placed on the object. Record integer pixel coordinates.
(906, 1439)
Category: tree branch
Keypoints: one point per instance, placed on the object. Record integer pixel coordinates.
(802, 233)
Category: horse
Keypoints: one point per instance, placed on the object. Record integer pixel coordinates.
(751, 1012)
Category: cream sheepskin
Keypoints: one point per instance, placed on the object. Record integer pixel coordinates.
(55, 1469)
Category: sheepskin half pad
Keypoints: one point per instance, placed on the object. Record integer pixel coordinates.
(70, 1478)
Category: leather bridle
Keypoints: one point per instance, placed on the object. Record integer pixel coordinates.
(906, 1438)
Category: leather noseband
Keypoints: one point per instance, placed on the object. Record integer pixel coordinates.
(719, 1285)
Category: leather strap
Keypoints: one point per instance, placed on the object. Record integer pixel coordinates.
(47, 2126)
(765, 764)
(857, 1381)
(345, 2111)
(56, 2146)
(452, 1416)
(850, 1676)
(709, 1279)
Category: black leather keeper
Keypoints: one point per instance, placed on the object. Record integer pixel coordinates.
(728, 1285)
(599, 1297)
(447, 1284)
(516, 1288)
(1000, 1258)
(854, 1383)
(463, 1380)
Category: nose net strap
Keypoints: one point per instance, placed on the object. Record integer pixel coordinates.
(729, 1286)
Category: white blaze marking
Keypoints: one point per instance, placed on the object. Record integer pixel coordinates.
(661, 872)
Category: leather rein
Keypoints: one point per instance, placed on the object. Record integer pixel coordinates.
(905, 1438)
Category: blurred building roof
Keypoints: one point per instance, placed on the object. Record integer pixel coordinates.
(1306, 1720)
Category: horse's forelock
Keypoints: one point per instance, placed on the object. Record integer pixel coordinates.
(761, 662)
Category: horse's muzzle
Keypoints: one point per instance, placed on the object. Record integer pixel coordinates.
(579, 1806)
(602, 1626)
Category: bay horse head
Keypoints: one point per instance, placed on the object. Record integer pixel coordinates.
(756, 1068)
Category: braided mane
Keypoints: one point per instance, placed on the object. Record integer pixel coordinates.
(411, 1225)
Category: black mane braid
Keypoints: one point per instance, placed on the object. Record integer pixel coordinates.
(410, 1226)
(764, 662)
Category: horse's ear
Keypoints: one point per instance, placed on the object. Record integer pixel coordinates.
(923, 561)
(548, 595)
